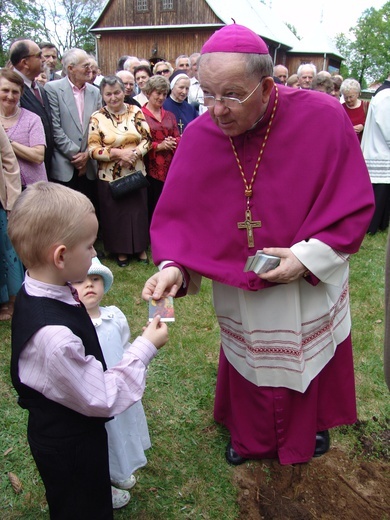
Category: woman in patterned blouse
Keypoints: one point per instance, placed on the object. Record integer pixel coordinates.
(119, 137)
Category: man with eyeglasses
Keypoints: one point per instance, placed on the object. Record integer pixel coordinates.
(72, 101)
(27, 60)
(280, 171)
(129, 82)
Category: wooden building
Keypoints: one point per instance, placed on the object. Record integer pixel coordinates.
(165, 29)
(316, 47)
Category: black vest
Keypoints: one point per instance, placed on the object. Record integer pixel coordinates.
(48, 419)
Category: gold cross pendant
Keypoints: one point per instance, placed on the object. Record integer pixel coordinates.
(249, 224)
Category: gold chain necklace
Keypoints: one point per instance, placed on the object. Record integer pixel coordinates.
(248, 223)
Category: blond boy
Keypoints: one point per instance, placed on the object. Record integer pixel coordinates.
(57, 366)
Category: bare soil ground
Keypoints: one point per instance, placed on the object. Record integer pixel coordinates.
(334, 486)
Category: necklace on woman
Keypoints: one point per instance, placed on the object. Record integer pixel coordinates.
(248, 223)
(116, 116)
(12, 115)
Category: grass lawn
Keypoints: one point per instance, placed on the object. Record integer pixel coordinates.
(186, 475)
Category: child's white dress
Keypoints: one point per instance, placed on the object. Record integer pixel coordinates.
(128, 434)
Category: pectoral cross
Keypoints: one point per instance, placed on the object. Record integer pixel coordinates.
(249, 224)
(180, 125)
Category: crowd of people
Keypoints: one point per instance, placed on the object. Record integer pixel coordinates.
(67, 138)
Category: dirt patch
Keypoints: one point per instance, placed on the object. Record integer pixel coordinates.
(330, 487)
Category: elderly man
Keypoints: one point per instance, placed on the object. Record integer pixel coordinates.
(129, 83)
(183, 63)
(281, 72)
(306, 73)
(195, 93)
(27, 60)
(193, 65)
(285, 372)
(131, 63)
(72, 102)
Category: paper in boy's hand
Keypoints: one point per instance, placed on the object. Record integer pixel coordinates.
(163, 308)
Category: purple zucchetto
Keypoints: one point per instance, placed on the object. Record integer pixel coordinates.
(235, 38)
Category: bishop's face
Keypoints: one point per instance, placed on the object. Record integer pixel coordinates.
(224, 75)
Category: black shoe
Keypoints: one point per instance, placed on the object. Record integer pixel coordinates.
(322, 443)
(233, 457)
(122, 263)
(143, 260)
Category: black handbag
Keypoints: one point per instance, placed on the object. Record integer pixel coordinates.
(124, 185)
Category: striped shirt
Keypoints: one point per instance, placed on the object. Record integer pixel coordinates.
(53, 362)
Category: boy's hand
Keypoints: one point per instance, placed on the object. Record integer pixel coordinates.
(156, 332)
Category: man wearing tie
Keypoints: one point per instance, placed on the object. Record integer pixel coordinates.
(26, 58)
(72, 101)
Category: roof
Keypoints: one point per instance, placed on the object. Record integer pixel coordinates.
(256, 16)
(251, 13)
(316, 42)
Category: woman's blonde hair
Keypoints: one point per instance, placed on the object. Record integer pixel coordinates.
(44, 215)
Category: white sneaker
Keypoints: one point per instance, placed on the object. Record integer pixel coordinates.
(125, 484)
(120, 498)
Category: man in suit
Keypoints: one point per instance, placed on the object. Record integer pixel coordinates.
(26, 58)
(50, 56)
(72, 101)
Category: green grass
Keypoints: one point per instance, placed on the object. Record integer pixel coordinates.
(186, 476)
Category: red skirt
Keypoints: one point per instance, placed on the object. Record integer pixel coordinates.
(268, 423)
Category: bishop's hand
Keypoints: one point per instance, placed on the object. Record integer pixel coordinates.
(162, 284)
(289, 269)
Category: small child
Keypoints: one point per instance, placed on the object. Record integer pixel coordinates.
(57, 365)
(128, 434)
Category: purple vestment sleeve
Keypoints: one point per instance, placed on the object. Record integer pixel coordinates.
(312, 183)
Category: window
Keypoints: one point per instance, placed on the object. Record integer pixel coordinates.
(142, 5)
(167, 5)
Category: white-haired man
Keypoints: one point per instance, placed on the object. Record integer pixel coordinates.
(306, 73)
(72, 101)
(281, 72)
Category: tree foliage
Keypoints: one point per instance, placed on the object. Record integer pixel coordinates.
(62, 22)
(293, 29)
(67, 22)
(367, 54)
(18, 18)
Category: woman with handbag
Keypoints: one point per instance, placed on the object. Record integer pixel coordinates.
(119, 137)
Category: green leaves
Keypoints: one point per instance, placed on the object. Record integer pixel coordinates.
(367, 54)
(64, 23)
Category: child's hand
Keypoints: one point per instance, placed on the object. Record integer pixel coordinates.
(156, 332)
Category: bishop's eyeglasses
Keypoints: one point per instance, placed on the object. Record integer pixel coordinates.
(229, 102)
